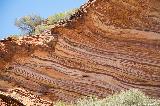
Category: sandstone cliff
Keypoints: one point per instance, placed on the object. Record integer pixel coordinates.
(106, 47)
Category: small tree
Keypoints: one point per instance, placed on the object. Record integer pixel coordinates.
(28, 23)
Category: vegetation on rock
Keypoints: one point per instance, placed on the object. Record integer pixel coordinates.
(33, 24)
(60, 16)
(132, 97)
(41, 28)
(27, 24)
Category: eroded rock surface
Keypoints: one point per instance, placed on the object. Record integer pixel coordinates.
(106, 47)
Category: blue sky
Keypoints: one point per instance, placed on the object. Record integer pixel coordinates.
(12, 9)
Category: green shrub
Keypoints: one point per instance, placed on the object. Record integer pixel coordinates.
(61, 104)
(41, 28)
(28, 23)
(60, 16)
(125, 98)
(131, 98)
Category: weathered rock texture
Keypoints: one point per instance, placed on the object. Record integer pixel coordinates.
(106, 47)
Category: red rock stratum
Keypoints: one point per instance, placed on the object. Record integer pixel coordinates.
(106, 47)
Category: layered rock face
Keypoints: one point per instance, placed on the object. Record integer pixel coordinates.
(106, 47)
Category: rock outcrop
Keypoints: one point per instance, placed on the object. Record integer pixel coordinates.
(106, 47)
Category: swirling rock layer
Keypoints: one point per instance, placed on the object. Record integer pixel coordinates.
(108, 46)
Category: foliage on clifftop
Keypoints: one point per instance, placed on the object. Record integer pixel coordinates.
(125, 98)
(27, 24)
(34, 24)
